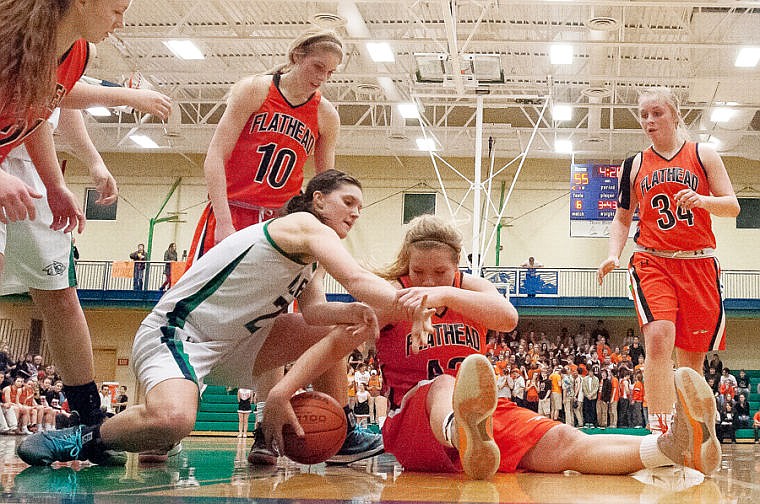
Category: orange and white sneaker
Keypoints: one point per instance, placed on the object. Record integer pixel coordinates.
(474, 402)
(691, 439)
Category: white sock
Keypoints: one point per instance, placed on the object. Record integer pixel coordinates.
(448, 423)
(650, 453)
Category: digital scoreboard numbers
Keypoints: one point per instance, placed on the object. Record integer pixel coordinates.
(593, 191)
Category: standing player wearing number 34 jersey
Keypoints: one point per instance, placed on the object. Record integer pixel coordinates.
(675, 278)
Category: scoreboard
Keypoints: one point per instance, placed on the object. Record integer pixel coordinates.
(593, 191)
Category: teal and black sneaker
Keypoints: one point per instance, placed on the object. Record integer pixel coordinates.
(46, 480)
(44, 448)
(360, 443)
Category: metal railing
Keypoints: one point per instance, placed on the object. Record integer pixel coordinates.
(98, 275)
(563, 282)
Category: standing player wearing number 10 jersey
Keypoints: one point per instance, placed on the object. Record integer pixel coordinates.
(271, 125)
(254, 165)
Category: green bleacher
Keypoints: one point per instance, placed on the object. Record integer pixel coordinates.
(754, 401)
(218, 412)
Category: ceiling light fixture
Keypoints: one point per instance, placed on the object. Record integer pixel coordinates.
(409, 110)
(563, 146)
(748, 57)
(184, 49)
(722, 114)
(426, 144)
(562, 112)
(561, 54)
(381, 52)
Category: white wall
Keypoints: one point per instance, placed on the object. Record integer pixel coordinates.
(537, 213)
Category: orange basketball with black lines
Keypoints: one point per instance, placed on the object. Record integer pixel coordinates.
(324, 424)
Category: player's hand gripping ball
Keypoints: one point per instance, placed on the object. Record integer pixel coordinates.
(324, 424)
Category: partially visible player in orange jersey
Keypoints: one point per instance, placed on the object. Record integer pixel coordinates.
(445, 415)
(271, 125)
(676, 185)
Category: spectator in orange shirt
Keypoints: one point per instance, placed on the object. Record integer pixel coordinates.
(374, 386)
(556, 397)
(637, 401)
(756, 425)
(601, 346)
(614, 398)
(639, 365)
(616, 357)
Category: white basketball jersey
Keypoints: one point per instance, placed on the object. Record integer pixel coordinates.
(227, 301)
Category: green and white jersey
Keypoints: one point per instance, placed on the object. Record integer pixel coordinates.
(215, 319)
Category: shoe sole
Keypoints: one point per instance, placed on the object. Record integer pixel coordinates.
(698, 404)
(474, 401)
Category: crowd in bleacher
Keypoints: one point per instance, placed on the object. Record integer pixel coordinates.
(31, 394)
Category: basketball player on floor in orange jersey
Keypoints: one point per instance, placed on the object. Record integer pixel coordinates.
(439, 423)
(44, 50)
(675, 278)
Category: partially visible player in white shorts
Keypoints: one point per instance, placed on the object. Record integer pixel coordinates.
(35, 256)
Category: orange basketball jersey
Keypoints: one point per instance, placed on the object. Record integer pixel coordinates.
(265, 168)
(455, 337)
(662, 224)
(14, 130)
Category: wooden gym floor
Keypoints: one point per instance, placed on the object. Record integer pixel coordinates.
(215, 470)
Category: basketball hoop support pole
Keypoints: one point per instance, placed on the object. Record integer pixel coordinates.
(477, 186)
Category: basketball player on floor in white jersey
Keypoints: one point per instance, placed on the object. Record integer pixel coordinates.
(675, 278)
(444, 398)
(214, 325)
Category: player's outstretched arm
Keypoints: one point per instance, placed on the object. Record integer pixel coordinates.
(84, 95)
(67, 213)
(338, 343)
(74, 132)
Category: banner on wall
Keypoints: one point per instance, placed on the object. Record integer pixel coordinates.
(177, 270)
(122, 269)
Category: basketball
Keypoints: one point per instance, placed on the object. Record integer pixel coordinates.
(324, 425)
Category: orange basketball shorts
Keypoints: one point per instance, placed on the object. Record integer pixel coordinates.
(686, 292)
(408, 436)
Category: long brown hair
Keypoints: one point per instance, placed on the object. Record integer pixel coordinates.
(325, 182)
(306, 43)
(28, 59)
(425, 232)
